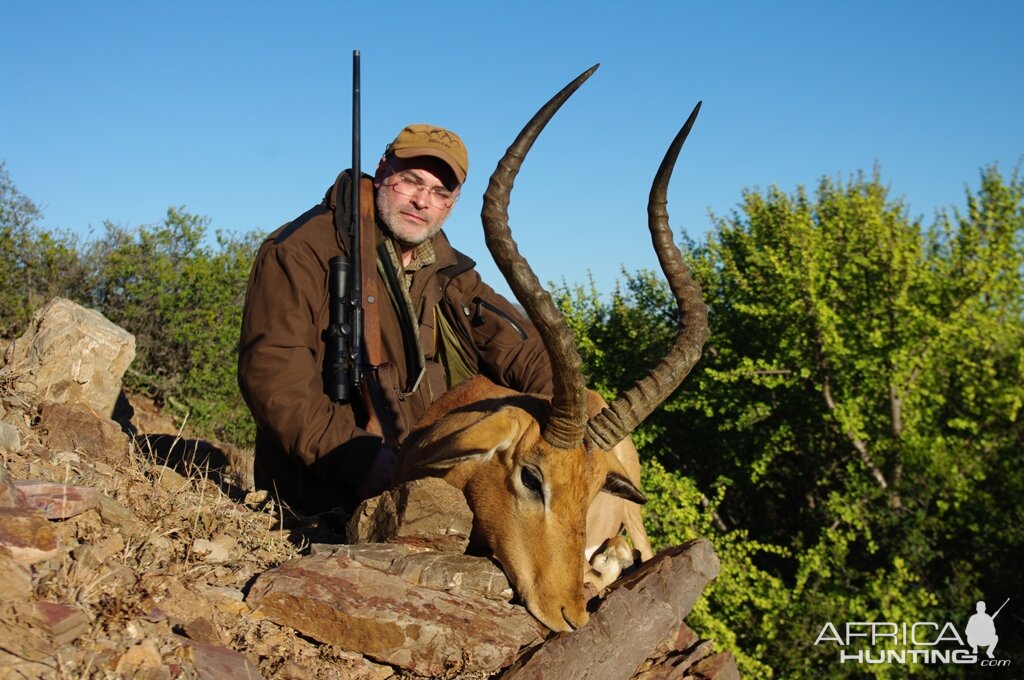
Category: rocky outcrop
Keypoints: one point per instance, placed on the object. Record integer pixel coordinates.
(437, 613)
(639, 618)
(116, 562)
(389, 617)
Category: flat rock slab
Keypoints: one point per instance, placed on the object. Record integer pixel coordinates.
(62, 622)
(452, 572)
(58, 501)
(639, 615)
(214, 662)
(15, 578)
(27, 535)
(340, 601)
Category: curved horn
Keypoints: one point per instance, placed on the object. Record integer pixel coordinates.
(567, 423)
(608, 427)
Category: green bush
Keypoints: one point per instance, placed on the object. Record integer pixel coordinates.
(856, 417)
(36, 264)
(182, 299)
(178, 294)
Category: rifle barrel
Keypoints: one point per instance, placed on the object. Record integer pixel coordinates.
(356, 288)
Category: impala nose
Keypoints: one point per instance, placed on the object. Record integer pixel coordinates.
(576, 620)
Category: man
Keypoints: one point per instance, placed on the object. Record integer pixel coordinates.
(440, 324)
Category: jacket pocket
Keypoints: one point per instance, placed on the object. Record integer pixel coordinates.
(483, 308)
(397, 403)
(408, 407)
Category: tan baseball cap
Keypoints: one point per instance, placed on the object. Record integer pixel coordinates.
(429, 140)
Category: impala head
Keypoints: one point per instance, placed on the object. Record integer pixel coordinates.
(530, 467)
(529, 498)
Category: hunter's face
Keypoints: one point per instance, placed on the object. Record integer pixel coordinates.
(412, 199)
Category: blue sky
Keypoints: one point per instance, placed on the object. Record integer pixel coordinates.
(241, 111)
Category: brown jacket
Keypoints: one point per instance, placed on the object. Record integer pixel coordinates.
(310, 451)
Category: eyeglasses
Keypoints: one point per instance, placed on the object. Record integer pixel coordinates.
(407, 186)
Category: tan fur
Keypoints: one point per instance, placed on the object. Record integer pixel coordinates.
(479, 437)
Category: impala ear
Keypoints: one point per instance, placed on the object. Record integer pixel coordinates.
(617, 483)
(493, 433)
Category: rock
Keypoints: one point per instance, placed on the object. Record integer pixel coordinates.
(673, 657)
(455, 573)
(178, 601)
(10, 438)
(201, 629)
(25, 651)
(142, 656)
(675, 665)
(64, 623)
(339, 601)
(91, 556)
(639, 614)
(27, 535)
(116, 576)
(76, 427)
(71, 354)
(426, 512)
(718, 667)
(169, 479)
(10, 496)
(58, 501)
(217, 551)
(213, 662)
(15, 578)
(118, 516)
(221, 594)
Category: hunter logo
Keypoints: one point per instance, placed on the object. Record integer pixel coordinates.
(981, 629)
(921, 642)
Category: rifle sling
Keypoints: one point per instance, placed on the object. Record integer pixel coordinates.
(368, 273)
(370, 299)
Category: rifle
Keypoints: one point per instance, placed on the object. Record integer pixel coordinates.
(351, 287)
(344, 332)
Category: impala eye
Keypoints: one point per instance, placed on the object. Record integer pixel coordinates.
(531, 481)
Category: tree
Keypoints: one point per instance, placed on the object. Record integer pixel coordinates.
(35, 264)
(857, 410)
(182, 299)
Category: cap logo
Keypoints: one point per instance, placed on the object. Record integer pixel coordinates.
(439, 136)
(431, 140)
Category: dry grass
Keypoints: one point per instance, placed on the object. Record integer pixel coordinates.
(174, 541)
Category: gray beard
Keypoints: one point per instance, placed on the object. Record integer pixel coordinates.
(415, 240)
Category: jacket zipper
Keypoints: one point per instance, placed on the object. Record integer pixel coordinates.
(480, 302)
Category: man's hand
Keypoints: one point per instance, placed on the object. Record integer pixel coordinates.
(378, 477)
